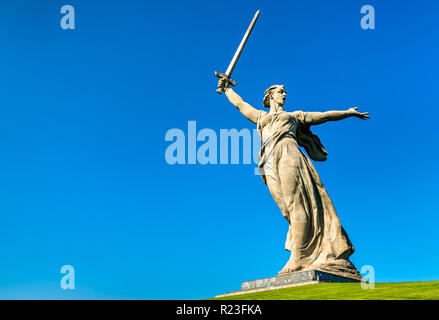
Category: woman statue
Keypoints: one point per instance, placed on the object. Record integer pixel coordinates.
(316, 239)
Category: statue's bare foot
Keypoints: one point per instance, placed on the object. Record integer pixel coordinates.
(290, 267)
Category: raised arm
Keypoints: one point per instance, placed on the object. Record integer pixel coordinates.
(322, 117)
(247, 110)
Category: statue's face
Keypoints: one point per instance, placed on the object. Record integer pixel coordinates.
(279, 95)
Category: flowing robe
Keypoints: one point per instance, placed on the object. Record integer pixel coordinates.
(315, 236)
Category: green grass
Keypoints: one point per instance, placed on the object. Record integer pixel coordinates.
(348, 291)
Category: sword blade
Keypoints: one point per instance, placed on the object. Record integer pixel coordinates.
(241, 46)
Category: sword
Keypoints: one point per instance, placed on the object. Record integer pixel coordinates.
(237, 55)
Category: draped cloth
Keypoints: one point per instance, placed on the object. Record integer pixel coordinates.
(315, 237)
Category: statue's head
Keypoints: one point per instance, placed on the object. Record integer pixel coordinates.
(277, 93)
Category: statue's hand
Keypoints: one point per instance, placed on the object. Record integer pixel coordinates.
(223, 83)
(362, 115)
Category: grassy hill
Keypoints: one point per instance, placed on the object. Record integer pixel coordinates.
(348, 291)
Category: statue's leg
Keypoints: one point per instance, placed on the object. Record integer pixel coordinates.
(294, 197)
(276, 193)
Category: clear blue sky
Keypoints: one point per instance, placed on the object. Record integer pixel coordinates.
(84, 114)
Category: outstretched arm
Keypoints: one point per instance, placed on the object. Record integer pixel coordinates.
(247, 110)
(322, 117)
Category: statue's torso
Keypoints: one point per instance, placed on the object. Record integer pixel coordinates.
(274, 126)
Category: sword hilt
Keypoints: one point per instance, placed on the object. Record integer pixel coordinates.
(229, 80)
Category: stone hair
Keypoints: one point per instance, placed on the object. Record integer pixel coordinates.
(269, 92)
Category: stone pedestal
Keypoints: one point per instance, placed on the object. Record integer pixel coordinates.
(290, 280)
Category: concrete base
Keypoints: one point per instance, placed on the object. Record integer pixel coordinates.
(289, 280)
